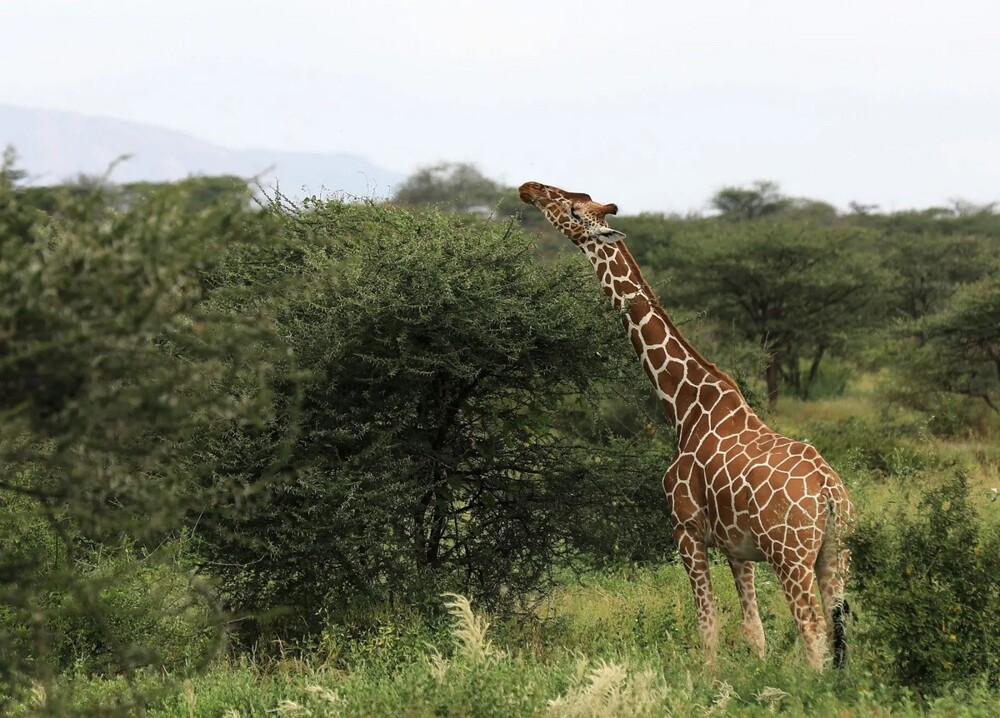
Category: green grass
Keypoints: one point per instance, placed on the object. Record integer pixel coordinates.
(619, 643)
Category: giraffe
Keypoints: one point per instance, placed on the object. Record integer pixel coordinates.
(735, 484)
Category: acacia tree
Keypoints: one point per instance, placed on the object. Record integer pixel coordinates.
(796, 291)
(451, 186)
(444, 389)
(760, 199)
(460, 187)
(926, 268)
(957, 349)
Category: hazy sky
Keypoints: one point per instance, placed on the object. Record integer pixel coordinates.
(653, 105)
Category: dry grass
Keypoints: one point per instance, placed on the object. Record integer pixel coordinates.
(608, 690)
(469, 631)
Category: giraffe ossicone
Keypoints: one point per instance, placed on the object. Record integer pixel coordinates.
(735, 484)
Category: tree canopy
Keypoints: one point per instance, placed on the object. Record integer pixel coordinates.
(956, 350)
(761, 199)
(443, 376)
(794, 291)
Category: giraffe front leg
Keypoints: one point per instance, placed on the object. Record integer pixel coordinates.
(743, 572)
(693, 553)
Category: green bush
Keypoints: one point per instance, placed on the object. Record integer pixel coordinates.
(928, 593)
(831, 380)
(117, 610)
(137, 611)
(876, 449)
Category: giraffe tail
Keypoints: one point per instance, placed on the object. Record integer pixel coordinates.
(841, 519)
(841, 610)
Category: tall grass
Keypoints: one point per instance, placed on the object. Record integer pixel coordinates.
(553, 667)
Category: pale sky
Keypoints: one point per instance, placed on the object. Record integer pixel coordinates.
(653, 105)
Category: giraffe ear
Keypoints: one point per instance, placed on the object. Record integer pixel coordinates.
(606, 234)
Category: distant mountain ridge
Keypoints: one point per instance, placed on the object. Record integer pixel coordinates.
(53, 146)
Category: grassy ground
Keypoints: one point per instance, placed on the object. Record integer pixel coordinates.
(621, 643)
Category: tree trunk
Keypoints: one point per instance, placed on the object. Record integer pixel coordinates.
(813, 371)
(773, 376)
(794, 375)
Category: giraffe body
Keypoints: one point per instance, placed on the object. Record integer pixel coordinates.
(735, 484)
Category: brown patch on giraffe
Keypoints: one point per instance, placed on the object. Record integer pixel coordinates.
(727, 440)
(702, 421)
(674, 347)
(765, 444)
(665, 382)
(685, 395)
(729, 427)
(656, 356)
(772, 512)
(603, 273)
(737, 464)
(709, 395)
(709, 445)
(654, 332)
(624, 287)
(636, 340)
(618, 264)
(786, 463)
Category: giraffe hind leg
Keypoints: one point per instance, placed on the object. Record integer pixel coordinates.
(798, 582)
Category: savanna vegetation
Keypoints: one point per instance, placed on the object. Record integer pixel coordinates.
(263, 457)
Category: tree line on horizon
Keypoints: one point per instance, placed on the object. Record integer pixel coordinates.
(794, 278)
(798, 281)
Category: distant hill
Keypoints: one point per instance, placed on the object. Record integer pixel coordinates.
(54, 146)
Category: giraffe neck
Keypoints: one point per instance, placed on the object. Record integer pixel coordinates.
(689, 385)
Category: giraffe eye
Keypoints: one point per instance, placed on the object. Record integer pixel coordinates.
(574, 215)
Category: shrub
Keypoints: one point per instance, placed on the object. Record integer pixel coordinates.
(878, 449)
(930, 601)
(139, 611)
(111, 368)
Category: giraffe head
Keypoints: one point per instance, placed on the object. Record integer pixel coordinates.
(573, 213)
